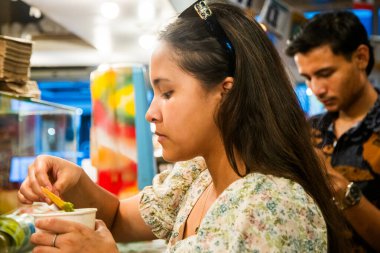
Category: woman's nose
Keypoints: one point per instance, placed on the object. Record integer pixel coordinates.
(152, 114)
(148, 116)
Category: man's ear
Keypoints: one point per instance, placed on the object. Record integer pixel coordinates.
(361, 56)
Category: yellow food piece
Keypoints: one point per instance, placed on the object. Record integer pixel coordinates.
(63, 205)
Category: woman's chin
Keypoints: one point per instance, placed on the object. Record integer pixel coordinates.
(167, 157)
(174, 157)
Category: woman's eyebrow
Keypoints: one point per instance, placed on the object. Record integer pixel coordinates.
(157, 81)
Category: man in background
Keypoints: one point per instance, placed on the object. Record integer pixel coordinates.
(332, 52)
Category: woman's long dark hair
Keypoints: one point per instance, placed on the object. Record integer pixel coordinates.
(260, 117)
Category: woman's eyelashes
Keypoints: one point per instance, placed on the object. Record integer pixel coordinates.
(167, 95)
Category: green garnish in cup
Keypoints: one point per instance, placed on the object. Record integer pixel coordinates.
(68, 207)
(63, 205)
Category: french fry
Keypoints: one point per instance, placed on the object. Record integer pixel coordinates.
(63, 205)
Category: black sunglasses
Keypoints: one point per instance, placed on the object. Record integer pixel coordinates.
(214, 28)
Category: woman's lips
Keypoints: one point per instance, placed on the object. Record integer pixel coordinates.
(160, 136)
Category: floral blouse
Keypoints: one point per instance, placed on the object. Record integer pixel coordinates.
(257, 213)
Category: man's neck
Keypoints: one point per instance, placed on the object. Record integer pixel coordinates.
(356, 111)
(360, 106)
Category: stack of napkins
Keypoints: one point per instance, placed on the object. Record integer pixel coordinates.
(15, 57)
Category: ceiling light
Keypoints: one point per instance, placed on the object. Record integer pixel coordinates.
(309, 92)
(146, 11)
(102, 39)
(51, 131)
(35, 12)
(148, 41)
(110, 10)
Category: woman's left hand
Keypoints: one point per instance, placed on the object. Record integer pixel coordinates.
(71, 237)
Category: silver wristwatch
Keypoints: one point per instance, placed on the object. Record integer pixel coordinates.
(352, 196)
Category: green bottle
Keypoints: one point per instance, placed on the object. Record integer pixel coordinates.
(6, 243)
(15, 232)
(12, 235)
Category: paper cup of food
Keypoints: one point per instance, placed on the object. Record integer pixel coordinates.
(84, 216)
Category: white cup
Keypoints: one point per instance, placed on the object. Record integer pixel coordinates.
(84, 216)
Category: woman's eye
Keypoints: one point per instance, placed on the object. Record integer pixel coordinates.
(167, 95)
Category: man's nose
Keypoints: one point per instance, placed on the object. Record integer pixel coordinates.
(317, 87)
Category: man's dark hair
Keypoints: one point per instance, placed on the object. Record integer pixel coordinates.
(342, 30)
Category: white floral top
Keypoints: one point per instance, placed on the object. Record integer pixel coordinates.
(257, 213)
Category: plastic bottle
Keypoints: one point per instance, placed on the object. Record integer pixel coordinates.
(26, 222)
(5, 243)
(12, 235)
(15, 232)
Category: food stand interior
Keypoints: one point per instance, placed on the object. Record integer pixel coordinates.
(72, 39)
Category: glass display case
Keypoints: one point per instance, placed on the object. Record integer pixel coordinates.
(30, 127)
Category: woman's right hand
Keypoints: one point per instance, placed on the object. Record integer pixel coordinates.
(56, 235)
(54, 173)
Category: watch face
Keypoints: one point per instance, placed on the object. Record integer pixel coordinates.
(353, 194)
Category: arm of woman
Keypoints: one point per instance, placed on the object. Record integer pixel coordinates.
(129, 225)
(68, 180)
(123, 217)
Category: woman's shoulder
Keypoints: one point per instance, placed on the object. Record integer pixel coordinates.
(183, 172)
(191, 167)
(277, 201)
(261, 183)
(275, 190)
(268, 213)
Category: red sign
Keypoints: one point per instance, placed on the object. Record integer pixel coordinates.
(364, 4)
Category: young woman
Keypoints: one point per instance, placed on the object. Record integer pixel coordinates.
(249, 180)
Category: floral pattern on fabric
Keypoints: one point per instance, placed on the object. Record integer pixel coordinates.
(159, 203)
(257, 213)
